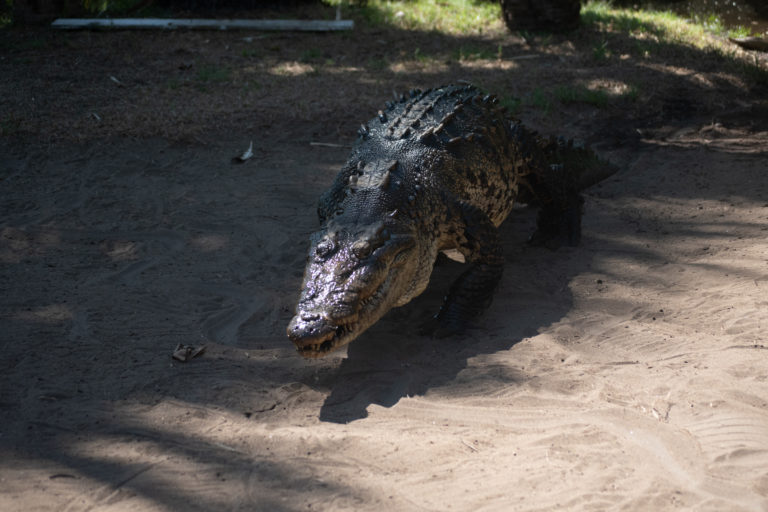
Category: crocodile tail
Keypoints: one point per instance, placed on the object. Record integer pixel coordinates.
(587, 167)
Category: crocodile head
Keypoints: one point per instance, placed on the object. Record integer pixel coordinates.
(355, 273)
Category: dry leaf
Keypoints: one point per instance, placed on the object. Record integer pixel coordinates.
(245, 156)
(184, 353)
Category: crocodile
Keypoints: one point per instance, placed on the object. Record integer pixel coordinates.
(435, 171)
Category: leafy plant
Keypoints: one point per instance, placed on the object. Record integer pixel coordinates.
(600, 51)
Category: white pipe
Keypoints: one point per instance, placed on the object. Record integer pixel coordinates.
(169, 24)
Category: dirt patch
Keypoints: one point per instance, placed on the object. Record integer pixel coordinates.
(626, 373)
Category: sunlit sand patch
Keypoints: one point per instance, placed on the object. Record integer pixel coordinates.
(122, 250)
(51, 314)
(292, 69)
(489, 65)
(612, 87)
(16, 244)
(431, 66)
(209, 242)
(342, 70)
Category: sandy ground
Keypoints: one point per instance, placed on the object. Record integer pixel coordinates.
(629, 373)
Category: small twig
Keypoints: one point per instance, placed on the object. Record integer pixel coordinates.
(224, 447)
(523, 57)
(106, 492)
(468, 445)
(184, 353)
(329, 145)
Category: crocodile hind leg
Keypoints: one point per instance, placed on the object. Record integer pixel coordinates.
(473, 291)
(559, 219)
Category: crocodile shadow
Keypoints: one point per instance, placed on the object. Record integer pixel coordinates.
(392, 361)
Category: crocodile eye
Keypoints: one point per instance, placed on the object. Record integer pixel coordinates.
(324, 248)
(361, 249)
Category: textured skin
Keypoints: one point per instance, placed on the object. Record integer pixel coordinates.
(434, 171)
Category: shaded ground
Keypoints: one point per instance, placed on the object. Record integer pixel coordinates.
(626, 373)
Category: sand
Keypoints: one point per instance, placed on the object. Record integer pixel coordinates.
(629, 373)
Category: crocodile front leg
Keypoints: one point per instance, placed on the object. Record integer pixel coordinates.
(473, 291)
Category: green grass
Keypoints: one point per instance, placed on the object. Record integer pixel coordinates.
(601, 51)
(580, 94)
(473, 52)
(480, 16)
(661, 34)
(212, 74)
(539, 100)
(421, 56)
(310, 55)
(123, 7)
(714, 24)
(544, 99)
(377, 63)
(6, 13)
(511, 103)
(250, 53)
(448, 16)
(664, 25)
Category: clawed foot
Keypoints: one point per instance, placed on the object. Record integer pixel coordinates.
(556, 229)
(437, 329)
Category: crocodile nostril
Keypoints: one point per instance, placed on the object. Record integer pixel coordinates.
(310, 317)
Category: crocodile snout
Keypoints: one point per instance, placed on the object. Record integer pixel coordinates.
(310, 329)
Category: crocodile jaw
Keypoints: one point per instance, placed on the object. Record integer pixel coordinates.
(317, 333)
(343, 294)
